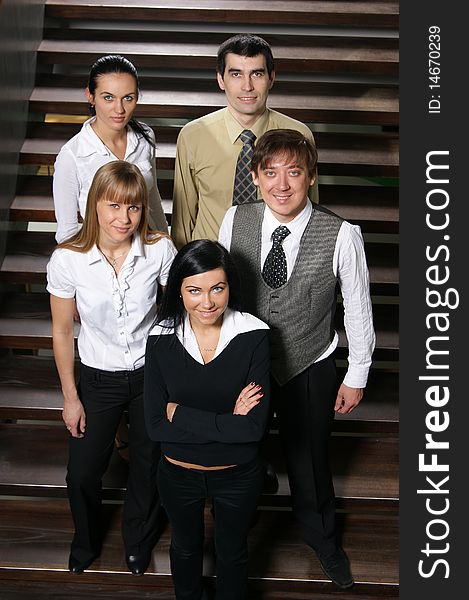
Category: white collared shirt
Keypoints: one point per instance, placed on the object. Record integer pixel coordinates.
(116, 313)
(76, 165)
(234, 323)
(349, 266)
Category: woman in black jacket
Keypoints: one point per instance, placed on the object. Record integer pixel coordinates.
(207, 401)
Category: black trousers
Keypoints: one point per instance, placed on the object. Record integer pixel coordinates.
(305, 410)
(105, 395)
(234, 493)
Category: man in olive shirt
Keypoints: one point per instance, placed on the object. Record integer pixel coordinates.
(208, 147)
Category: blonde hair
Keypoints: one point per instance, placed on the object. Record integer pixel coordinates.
(117, 181)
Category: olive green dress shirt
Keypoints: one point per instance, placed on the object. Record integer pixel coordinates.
(206, 156)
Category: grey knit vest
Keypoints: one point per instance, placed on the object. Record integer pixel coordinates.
(301, 312)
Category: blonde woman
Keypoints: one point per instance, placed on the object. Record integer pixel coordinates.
(112, 267)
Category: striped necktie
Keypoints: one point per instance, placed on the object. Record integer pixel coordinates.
(244, 188)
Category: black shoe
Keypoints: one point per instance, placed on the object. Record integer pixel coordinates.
(76, 566)
(138, 563)
(337, 568)
(270, 485)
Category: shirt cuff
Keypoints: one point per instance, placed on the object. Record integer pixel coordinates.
(60, 293)
(356, 376)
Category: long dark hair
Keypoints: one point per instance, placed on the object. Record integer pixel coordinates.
(114, 63)
(198, 256)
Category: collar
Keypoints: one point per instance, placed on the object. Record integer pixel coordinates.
(234, 128)
(234, 323)
(89, 143)
(136, 249)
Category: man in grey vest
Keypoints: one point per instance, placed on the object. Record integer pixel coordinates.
(293, 255)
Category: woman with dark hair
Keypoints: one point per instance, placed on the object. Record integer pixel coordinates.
(112, 267)
(207, 402)
(110, 134)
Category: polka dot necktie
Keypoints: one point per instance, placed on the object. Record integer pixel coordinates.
(244, 189)
(275, 266)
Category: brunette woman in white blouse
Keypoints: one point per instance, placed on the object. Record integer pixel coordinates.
(110, 134)
(112, 268)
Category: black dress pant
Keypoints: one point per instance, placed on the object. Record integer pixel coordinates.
(105, 396)
(234, 493)
(305, 410)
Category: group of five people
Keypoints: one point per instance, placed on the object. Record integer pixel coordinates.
(202, 345)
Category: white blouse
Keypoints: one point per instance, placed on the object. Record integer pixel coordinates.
(76, 165)
(116, 313)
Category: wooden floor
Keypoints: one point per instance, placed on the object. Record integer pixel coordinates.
(257, 590)
(33, 461)
(30, 389)
(35, 536)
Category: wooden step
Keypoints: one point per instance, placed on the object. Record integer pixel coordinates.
(31, 332)
(27, 256)
(26, 334)
(186, 97)
(33, 200)
(382, 90)
(346, 154)
(365, 471)
(324, 54)
(326, 103)
(30, 389)
(35, 541)
(379, 13)
(180, 35)
(378, 412)
(17, 587)
(28, 252)
(374, 208)
(25, 319)
(348, 47)
(383, 264)
(33, 461)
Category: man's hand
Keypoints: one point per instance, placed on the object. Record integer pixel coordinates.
(347, 399)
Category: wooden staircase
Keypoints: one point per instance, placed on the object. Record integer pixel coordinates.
(337, 65)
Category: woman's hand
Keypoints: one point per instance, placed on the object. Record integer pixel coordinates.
(73, 412)
(170, 410)
(74, 417)
(76, 314)
(248, 398)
